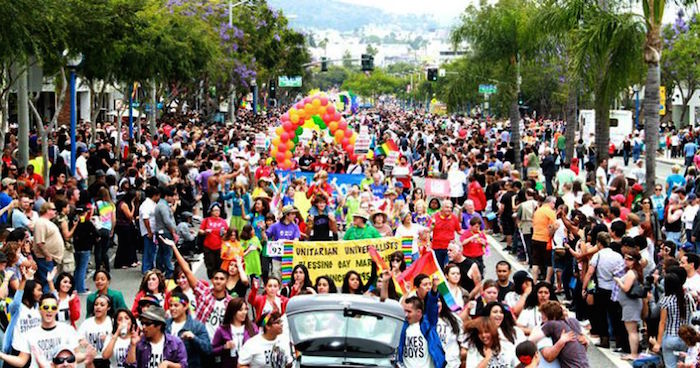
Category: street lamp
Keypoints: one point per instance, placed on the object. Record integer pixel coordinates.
(636, 106)
(73, 62)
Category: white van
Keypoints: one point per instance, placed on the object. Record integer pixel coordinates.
(621, 126)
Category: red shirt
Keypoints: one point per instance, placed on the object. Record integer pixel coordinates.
(263, 172)
(473, 249)
(477, 195)
(444, 229)
(213, 239)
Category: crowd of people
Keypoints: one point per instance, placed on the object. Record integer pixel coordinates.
(596, 256)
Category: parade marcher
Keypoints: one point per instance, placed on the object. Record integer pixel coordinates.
(155, 346)
(192, 332)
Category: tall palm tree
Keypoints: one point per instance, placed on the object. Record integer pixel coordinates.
(607, 53)
(653, 16)
(502, 33)
(559, 19)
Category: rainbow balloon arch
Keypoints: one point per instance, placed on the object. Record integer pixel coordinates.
(313, 112)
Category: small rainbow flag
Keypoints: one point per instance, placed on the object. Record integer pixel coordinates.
(407, 249)
(387, 147)
(427, 264)
(381, 264)
(287, 265)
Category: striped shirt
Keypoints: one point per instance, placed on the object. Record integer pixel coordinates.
(674, 321)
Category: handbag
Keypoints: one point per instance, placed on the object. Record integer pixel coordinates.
(636, 291)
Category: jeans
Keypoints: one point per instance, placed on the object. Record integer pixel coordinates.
(82, 258)
(149, 255)
(548, 184)
(441, 257)
(101, 248)
(164, 257)
(674, 237)
(43, 269)
(669, 346)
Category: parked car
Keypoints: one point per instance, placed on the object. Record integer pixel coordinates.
(342, 330)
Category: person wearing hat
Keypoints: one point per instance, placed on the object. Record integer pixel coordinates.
(522, 287)
(187, 233)
(360, 228)
(39, 343)
(192, 332)
(156, 346)
(81, 170)
(65, 358)
(379, 221)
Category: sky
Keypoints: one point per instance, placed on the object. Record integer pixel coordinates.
(442, 9)
(447, 10)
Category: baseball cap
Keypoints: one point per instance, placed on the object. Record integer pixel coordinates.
(155, 314)
(8, 181)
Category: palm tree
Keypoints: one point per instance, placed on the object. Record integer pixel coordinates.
(502, 33)
(607, 53)
(559, 19)
(653, 16)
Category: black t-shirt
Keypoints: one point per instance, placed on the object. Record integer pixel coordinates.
(238, 290)
(465, 281)
(103, 154)
(305, 162)
(321, 228)
(503, 290)
(507, 201)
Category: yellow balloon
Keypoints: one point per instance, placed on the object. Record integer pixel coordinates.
(352, 139)
(294, 118)
(292, 111)
(321, 110)
(288, 154)
(279, 130)
(273, 151)
(276, 141)
(316, 102)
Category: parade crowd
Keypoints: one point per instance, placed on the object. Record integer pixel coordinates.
(597, 258)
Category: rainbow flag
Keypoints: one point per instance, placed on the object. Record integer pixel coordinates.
(387, 147)
(427, 264)
(381, 264)
(407, 249)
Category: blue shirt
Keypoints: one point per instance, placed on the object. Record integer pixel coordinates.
(690, 149)
(281, 231)
(378, 190)
(674, 180)
(5, 201)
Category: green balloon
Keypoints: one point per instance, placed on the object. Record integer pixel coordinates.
(293, 148)
(323, 125)
(295, 139)
(299, 131)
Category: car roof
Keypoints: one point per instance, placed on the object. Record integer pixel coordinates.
(307, 303)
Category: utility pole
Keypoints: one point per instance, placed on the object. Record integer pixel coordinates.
(23, 115)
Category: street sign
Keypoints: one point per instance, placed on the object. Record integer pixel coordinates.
(289, 82)
(362, 141)
(260, 142)
(391, 159)
(488, 88)
(662, 100)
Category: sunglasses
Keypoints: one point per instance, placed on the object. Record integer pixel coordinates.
(146, 322)
(396, 260)
(646, 202)
(61, 360)
(657, 189)
(629, 259)
(46, 307)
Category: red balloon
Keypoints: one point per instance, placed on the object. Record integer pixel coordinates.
(326, 118)
(284, 137)
(285, 117)
(299, 105)
(282, 146)
(281, 156)
(343, 125)
(330, 110)
(288, 126)
(345, 142)
(337, 116)
(324, 101)
(307, 100)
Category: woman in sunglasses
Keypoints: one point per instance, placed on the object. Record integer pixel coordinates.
(95, 330)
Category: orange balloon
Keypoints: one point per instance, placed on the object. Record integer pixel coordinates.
(288, 154)
(339, 134)
(273, 151)
(333, 126)
(338, 138)
(276, 141)
(279, 130)
(321, 110)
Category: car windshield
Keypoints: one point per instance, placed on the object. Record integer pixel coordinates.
(321, 324)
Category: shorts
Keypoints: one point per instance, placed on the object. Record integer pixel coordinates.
(558, 261)
(540, 256)
(507, 226)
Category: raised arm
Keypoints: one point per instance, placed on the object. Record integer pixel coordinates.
(191, 278)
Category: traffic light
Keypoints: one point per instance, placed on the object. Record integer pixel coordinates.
(367, 63)
(432, 74)
(324, 64)
(520, 99)
(272, 92)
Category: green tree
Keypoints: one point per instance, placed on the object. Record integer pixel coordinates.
(333, 78)
(502, 33)
(373, 85)
(607, 53)
(680, 65)
(347, 60)
(371, 50)
(653, 17)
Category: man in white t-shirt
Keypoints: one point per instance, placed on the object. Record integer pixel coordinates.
(601, 177)
(266, 349)
(690, 262)
(419, 344)
(41, 342)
